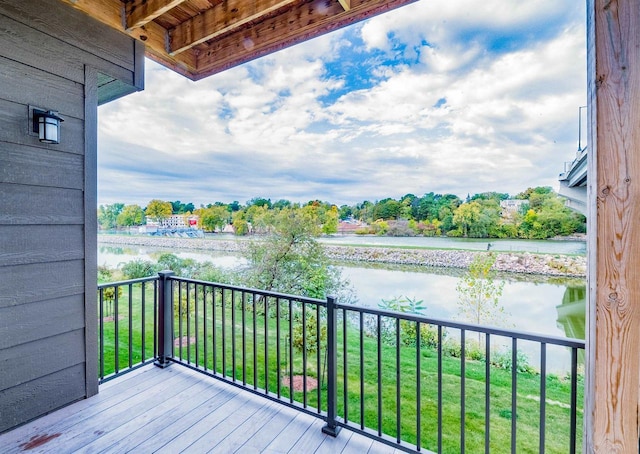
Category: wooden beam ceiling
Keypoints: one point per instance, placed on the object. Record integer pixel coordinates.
(346, 4)
(301, 22)
(141, 12)
(198, 38)
(220, 20)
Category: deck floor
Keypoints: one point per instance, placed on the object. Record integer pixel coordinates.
(178, 410)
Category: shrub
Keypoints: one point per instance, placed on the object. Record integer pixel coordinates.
(452, 347)
(504, 360)
(472, 350)
(408, 329)
(139, 268)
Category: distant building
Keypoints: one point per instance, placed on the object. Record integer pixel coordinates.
(511, 206)
(179, 221)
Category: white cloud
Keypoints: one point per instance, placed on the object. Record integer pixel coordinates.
(466, 99)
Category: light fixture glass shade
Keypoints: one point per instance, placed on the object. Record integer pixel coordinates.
(48, 125)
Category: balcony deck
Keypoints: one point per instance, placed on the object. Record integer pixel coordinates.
(178, 410)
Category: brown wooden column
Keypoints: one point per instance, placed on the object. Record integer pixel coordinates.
(613, 369)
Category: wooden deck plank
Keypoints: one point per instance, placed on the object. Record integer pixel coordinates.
(135, 432)
(231, 412)
(72, 414)
(232, 442)
(259, 441)
(176, 424)
(290, 434)
(381, 448)
(311, 439)
(358, 444)
(175, 410)
(335, 444)
(79, 435)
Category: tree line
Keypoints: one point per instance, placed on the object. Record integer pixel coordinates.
(536, 213)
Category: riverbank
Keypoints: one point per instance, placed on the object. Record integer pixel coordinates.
(508, 262)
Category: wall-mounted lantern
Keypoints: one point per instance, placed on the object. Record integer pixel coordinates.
(46, 123)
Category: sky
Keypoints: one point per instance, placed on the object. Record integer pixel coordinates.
(456, 97)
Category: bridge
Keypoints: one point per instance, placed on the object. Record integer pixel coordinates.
(573, 182)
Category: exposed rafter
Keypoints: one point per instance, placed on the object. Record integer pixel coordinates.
(140, 12)
(112, 13)
(222, 19)
(346, 4)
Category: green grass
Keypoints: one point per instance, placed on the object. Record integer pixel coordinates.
(222, 336)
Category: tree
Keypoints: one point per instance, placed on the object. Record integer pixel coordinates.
(346, 212)
(260, 217)
(387, 209)
(291, 260)
(282, 203)
(159, 210)
(330, 224)
(213, 218)
(178, 207)
(108, 215)
(479, 294)
(465, 216)
(547, 216)
(259, 201)
(131, 215)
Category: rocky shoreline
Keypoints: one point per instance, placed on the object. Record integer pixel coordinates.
(508, 262)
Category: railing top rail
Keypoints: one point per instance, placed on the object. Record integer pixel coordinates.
(562, 341)
(302, 299)
(127, 282)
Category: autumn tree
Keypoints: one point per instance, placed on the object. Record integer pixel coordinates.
(131, 215)
(330, 223)
(159, 210)
(213, 218)
(465, 216)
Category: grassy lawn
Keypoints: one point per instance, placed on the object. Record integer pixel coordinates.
(262, 350)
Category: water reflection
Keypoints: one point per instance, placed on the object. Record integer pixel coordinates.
(572, 311)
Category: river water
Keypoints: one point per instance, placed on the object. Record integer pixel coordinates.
(548, 306)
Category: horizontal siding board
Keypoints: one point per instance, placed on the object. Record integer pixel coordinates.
(73, 27)
(14, 124)
(28, 323)
(21, 204)
(20, 164)
(26, 402)
(22, 284)
(21, 245)
(42, 357)
(35, 48)
(27, 85)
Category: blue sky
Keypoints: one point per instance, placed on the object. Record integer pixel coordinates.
(456, 97)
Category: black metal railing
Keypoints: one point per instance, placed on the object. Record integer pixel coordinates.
(127, 334)
(426, 376)
(412, 382)
(265, 342)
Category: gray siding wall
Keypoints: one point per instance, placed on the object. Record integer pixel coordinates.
(53, 57)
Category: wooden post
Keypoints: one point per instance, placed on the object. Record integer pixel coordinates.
(613, 367)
